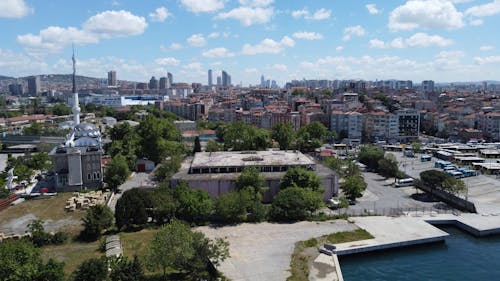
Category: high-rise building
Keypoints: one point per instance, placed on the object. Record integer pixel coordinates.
(153, 83)
(262, 81)
(16, 89)
(163, 83)
(219, 81)
(225, 79)
(170, 80)
(33, 85)
(210, 81)
(428, 86)
(112, 78)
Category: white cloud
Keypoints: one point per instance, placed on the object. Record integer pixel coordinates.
(176, 46)
(203, 6)
(160, 14)
(197, 40)
(350, 31)
(115, 24)
(193, 66)
(167, 61)
(429, 14)
(248, 15)
(307, 35)
(268, 46)
(251, 70)
(14, 9)
(279, 67)
(476, 22)
(487, 60)
(372, 9)
(419, 39)
(320, 14)
(425, 40)
(213, 35)
(218, 53)
(256, 3)
(107, 25)
(488, 9)
(339, 48)
(487, 48)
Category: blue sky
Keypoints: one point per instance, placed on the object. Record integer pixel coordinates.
(442, 40)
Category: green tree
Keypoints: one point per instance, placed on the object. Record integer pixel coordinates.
(177, 247)
(416, 147)
(158, 138)
(353, 187)
(164, 204)
(213, 146)
(239, 136)
(61, 109)
(284, 134)
(194, 205)
(294, 203)
(38, 234)
(124, 270)
(117, 172)
(120, 131)
(40, 161)
(387, 167)
(23, 172)
(131, 208)
(231, 207)
(370, 155)
(22, 261)
(298, 176)
(97, 219)
(250, 177)
(168, 167)
(453, 185)
(433, 178)
(197, 145)
(92, 269)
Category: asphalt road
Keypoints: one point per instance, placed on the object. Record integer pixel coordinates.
(135, 180)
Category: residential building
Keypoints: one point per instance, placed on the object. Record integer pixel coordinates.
(112, 78)
(408, 124)
(34, 86)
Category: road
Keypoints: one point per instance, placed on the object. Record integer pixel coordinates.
(135, 180)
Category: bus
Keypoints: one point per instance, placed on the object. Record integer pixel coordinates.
(441, 164)
(404, 182)
(468, 173)
(455, 174)
(425, 158)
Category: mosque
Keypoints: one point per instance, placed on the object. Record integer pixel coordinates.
(77, 162)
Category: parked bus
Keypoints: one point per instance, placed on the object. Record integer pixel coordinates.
(468, 173)
(404, 182)
(425, 158)
(455, 174)
(441, 164)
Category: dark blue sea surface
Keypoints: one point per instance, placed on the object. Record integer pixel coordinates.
(462, 257)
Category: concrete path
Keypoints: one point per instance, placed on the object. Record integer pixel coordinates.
(262, 252)
(135, 180)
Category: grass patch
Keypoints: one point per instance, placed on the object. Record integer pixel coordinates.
(306, 251)
(348, 236)
(136, 243)
(72, 254)
(327, 217)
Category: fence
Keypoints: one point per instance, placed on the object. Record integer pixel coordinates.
(394, 212)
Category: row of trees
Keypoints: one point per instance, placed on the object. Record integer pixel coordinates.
(239, 136)
(353, 185)
(374, 159)
(442, 181)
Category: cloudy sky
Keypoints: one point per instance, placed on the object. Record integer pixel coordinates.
(443, 40)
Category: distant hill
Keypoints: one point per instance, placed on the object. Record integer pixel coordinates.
(6, 77)
(66, 78)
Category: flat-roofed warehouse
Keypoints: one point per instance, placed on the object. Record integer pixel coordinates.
(216, 172)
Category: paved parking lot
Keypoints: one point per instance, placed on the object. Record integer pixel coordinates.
(483, 190)
(262, 252)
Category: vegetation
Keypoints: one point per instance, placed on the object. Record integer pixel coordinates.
(294, 203)
(353, 187)
(92, 269)
(194, 205)
(311, 136)
(98, 219)
(197, 145)
(442, 181)
(41, 238)
(124, 270)
(284, 134)
(388, 167)
(117, 172)
(348, 236)
(370, 155)
(239, 136)
(300, 177)
(177, 247)
(213, 146)
(131, 208)
(22, 261)
(169, 167)
(344, 168)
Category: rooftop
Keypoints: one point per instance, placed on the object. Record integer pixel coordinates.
(250, 158)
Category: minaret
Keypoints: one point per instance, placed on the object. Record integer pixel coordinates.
(76, 106)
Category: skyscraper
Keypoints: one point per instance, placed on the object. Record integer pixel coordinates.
(170, 80)
(33, 85)
(153, 83)
(262, 81)
(210, 81)
(219, 81)
(163, 83)
(225, 79)
(112, 78)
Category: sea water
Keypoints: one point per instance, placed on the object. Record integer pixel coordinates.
(461, 257)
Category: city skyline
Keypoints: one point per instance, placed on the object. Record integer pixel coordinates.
(417, 40)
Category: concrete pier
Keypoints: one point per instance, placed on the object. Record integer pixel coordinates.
(391, 232)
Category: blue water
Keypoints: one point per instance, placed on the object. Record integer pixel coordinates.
(462, 257)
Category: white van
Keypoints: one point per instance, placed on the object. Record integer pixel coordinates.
(404, 182)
